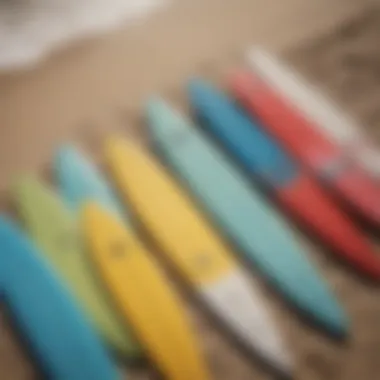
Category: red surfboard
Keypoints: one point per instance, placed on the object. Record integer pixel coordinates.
(291, 185)
(303, 140)
(308, 203)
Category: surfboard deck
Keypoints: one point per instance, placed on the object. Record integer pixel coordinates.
(303, 140)
(316, 107)
(54, 229)
(195, 250)
(143, 295)
(291, 186)
(58, 334)
(243, 215)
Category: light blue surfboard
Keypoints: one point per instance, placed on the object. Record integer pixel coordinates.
(79, 180)
(243, 214)
(58, 335)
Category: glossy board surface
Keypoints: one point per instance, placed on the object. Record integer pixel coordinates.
(306, 98)
(260, 155)
(195, 250)
(56, 232)
(309, 146)
(243, 215)
(143, 295)
(58, 335)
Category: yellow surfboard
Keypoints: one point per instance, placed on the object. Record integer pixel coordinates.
(195, 249)
(143, 296)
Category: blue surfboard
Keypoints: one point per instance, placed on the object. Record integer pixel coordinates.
(80, 180)
(244, 138)
(59, 336)
(243, 215)
(293, 187)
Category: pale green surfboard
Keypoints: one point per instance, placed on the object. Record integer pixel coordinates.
(243, 215)
(54, 230)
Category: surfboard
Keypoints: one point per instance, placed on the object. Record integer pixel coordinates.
(293, 188)
(243, 215)
(322, 156)
(143, 295)
(318, 108)
(55, 231)
(80, 180)
(58, 335)
(195, 250)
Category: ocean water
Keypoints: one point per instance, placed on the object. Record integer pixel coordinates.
(31, 29)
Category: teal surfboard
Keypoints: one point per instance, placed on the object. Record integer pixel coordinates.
(55, 231)
(57, 334)
(79, 180)
(243, 214)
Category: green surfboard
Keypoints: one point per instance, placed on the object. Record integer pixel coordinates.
(55, 231)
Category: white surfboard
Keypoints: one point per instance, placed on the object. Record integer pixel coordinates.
(326, 116)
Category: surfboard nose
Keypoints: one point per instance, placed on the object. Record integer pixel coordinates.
(166, 125)
(156, 108)
(67, 169)
(24, 185)
(66, 152)
(200, 93)
(212, 106)
(205, 95)
(164, 118)
(79, 180)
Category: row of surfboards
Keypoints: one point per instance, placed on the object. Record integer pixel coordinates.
(78, 276)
